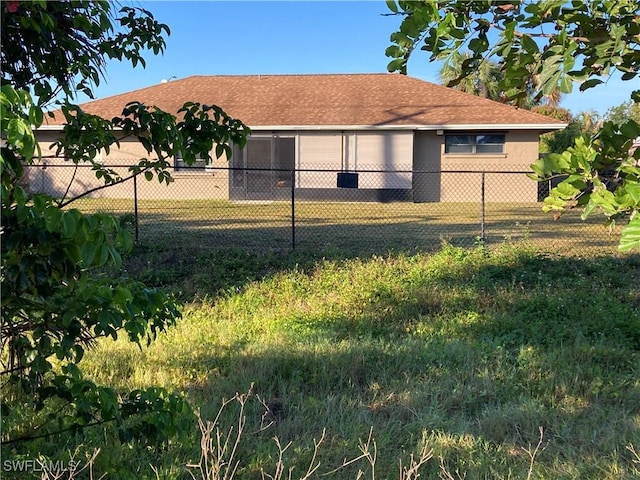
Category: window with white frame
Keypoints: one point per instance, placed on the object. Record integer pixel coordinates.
(200, 165)
(474, 143)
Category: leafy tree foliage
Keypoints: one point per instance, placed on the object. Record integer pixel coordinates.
(551, 44)
(621, 113)
(552, 111)
(560, 140)
(484, 81)
(586, 123)
(61, 290)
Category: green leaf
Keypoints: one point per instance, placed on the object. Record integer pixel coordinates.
(529, 44)
(40, 365)
(220, 151)
(630, 129)
(588, 209)
(397, 65)
(394, 51)
(590, 83)
(52, 218)
(73, 370)
(633, 190)
(566, 84)
(102, 254)
(566, 190)
(69, 223)
(630, 237)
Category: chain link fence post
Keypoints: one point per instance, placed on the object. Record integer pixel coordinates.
(293, 209)
(135, 206)
(482, 210)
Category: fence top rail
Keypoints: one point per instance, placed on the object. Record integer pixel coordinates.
(289, 170)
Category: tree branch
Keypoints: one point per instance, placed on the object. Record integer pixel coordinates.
(73, 177)
(27, 438)
(549, 35)
(13, 369)
(101, 187)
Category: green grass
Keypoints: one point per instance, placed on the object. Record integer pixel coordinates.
(469, 351)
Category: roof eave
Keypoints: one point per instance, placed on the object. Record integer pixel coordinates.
(493, 126)
(448, 127)
(50, 128)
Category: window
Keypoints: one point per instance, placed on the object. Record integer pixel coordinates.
(200, 165)
(484, 143)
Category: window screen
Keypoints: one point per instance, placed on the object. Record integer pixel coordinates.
(200, 165)
(459, 144)
(490, 143)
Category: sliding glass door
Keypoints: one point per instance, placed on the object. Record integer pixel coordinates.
(262, 170)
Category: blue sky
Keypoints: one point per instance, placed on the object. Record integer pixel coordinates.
(267, 37)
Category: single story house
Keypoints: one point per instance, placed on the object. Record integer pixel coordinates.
(394, 136)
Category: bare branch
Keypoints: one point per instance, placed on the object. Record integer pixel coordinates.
(532, 454)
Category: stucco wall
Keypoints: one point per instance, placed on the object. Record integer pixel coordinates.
(54, 175)
(422, 151)
(427, 160)
(521, 150)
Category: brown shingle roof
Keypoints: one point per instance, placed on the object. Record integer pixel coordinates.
(327, 100)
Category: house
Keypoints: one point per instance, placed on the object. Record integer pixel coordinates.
(390, 135)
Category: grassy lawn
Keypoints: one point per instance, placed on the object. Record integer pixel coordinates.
(356, 228)
(501, 363)
(504, 362)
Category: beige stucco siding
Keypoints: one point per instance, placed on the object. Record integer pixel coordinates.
(398, 152)
(427, 159)
(55, 176)
(459, 181)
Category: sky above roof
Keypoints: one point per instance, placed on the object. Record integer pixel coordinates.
(267, 37)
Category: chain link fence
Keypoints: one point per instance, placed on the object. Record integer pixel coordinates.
(369, 212)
